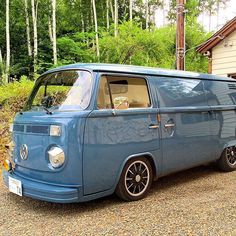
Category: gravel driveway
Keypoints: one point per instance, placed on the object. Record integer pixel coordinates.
(200, 201)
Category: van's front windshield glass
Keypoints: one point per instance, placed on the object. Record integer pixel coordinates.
(61, 91)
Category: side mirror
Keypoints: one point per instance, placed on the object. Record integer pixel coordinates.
(121, 103)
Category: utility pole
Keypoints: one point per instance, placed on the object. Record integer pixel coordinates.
(180, 35)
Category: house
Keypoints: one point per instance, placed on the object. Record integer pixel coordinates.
(220, 49)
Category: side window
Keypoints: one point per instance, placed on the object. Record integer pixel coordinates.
(103, 99)
(175, 92)
(220, 92)
(123, 93)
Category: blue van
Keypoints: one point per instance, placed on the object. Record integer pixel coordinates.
(88, 130)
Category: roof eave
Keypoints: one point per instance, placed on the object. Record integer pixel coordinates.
(220, 35)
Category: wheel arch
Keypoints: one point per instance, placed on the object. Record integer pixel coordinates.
(229, 144)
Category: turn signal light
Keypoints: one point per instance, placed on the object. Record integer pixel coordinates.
(7, 165)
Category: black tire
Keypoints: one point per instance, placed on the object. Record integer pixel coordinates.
(227, 162)
(135, 180)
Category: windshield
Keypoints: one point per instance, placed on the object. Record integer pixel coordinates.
(62, 91)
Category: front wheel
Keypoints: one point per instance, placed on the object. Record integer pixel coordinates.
(227, 162)
(135, 180)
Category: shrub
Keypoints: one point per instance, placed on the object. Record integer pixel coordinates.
(12, 97)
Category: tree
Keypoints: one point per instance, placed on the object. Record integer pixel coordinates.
(130, 10)
(27, 22)
(116, 18)
(8, 50)
(96, 28)
(34, 8)
(54, 37)
(147, 14)
(1, 66)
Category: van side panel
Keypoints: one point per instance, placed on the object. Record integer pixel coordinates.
(185, 127)
(221, 96)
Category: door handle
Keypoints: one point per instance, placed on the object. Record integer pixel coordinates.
(153, 126)
(169, 126)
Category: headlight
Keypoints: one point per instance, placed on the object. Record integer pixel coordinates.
(55, 130)
(56, 157)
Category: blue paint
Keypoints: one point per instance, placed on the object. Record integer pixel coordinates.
(97, 143)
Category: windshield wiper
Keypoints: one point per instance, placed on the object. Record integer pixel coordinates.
(47, 110)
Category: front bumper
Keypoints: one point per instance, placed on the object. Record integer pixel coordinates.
(45, 192)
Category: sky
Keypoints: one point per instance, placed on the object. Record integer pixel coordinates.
(225, 15)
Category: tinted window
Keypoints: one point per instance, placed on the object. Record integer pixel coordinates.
(175, 92)
(220, 93)
(124, 92)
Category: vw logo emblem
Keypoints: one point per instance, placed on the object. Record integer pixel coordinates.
(23, 151)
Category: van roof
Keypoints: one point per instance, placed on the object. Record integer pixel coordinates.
(142, 70)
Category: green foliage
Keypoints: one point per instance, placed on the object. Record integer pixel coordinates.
(76, 36)
(12, 97)
(74, 48)
(15, 91)
(152, 48)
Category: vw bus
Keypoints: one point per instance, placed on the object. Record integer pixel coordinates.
(89, 130)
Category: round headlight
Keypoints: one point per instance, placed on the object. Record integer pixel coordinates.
(56, 157)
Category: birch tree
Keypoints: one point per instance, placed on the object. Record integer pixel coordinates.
(107, 14)
(147, 14)
(131, 10)
(50, 29)
(54, 37)
(8, 52)
(27, 22)
(1, 65)
(112, 11)
(96, 27)
(34, 8)
(116, 18)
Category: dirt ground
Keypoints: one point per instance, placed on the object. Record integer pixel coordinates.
(200, 201)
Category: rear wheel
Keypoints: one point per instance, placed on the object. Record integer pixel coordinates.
(227, 161)
(135, 180)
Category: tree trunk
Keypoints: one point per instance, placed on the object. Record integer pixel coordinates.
(8, 50)
(96, 28)
(28, 29)
(147, 14)
(112, 11)
(131, 10)
(54, 32)
(163, 13)
(1, 60)
(35, 34)
(82, 17)
(107, 10)
(1, 66)
(50, 29)
(116, 18)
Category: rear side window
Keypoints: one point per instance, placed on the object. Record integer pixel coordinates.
(220, 92)
(174, 92)
(121, 92)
